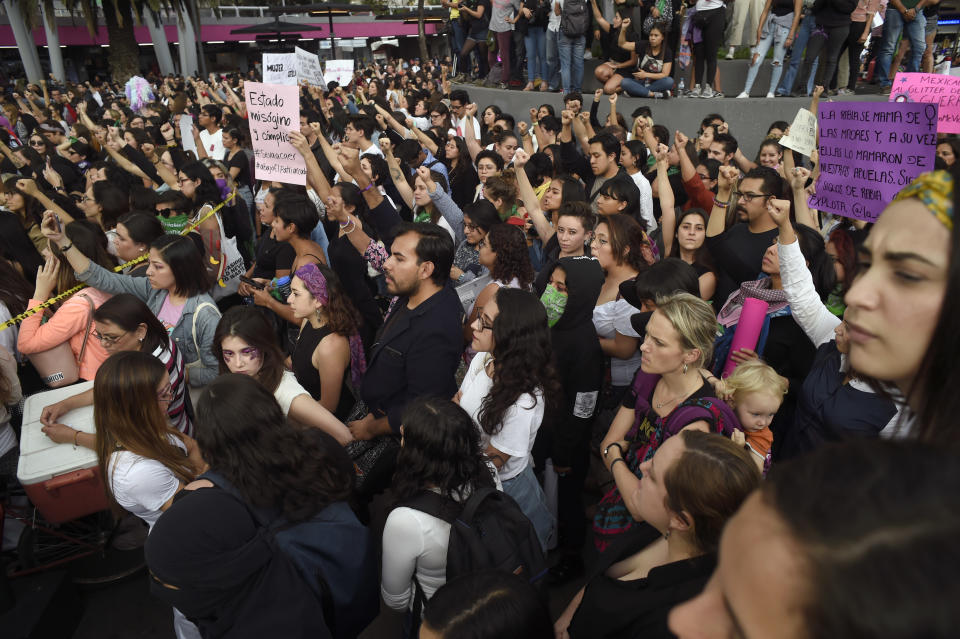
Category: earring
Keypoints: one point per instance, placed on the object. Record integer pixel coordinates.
(684, 368)
(666, 535)
(317, 312)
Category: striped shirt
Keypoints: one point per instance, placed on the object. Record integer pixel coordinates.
(177, 410)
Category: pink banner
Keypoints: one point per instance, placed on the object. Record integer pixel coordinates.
(274, 111)
(748, 330)
(932, 88)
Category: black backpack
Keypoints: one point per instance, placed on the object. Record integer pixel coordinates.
(574, 18)
(488, 531)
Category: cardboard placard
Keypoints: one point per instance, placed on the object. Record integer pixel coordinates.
(279, 68)
(803, 133)
(274, 110)
(186, 133)
(308, 68)
(869, 151)
(339, 71)
(931, 88)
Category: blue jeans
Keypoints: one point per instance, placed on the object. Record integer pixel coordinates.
(526, 491)
(796, 58)
(643, 88)
(892, 26)
(571, 62)
(777, 36)
(456, 38)
(553, 59)
(536, 45)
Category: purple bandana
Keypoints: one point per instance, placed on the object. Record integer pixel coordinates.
(316, 283)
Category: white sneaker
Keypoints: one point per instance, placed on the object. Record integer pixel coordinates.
(695, 91)
(587, 55)
(730, 51)
(743, 94)
(707, 92)
(770, 94)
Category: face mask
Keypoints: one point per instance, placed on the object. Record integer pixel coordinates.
(554, 302)
(224, 189)
(173, 224)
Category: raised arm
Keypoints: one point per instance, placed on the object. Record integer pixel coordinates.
(798, 182)
(315, 176)
(469, 135)
(30, 187)
(668, 216)
(396, 173)
(726, 182)
(540, 222)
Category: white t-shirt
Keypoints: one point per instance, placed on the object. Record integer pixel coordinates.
(460, 123)
(646, 200)
(140, 485)
(553, 22)
(288, 390)
(520, 423)
(213, 143)
(605, 320)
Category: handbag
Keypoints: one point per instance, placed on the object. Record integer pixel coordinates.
(365, 455)
(57, 366)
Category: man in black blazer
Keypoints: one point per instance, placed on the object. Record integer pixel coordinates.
(420, 343)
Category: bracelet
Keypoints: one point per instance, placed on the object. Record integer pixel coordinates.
(76, 438)
(64, 249)
(614, 463)
(720, 204)
(607, 449)
(369, 186)
(59, 188)
(353, 227)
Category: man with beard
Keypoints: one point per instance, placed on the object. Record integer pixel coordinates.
(419, 345)
(738, 251)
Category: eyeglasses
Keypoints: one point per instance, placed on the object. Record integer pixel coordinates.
(249, 354)
(482, 325)
(181, 180)
(36, 143)
(165, 394)
(749, 197)
(108, 340)
(467, 226)
(86, 198)
(704, 176)
(166, 212)
(482, 243)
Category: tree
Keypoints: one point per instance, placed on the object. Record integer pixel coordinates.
(421, 35)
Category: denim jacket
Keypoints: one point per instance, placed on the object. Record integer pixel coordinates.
(203, 367)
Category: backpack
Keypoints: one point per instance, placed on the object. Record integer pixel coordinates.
(488, 531)
(574, 18)
(331, 549)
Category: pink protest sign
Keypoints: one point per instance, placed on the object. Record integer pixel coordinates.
(931, 88)
(869, 151)
(748, 330)
(274, 110)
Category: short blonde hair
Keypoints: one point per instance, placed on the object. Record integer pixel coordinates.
(694, 321)
(756, 376)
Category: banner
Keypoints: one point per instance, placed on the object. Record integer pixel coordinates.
(869, 151)
(931, 88)
(308, 68)
(279, 68)
(803, 133)
(339, 71)
(273, 111)
(186, 133)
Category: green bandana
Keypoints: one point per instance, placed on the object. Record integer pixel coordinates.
(174, 224)
(554, 302)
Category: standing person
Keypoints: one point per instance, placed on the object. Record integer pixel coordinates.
(618, 61)
(931, 11)
(579, 363)
(477, 15)
(533, 17)
(902, 17)
(238, 163)
(506, 390)
(574, 23)
(501, 25)
(211, 135)
(709, 18)
(778, 24)
(861, 23)
(833, 26)
(552, 81)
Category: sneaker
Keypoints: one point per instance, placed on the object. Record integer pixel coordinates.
(707, 92)
(667, 95)
(770, 94)
(845, 91)
(588, 55)
(695, 91)
(502, 85)
(718, 94)
(743, 94)
(729, 55)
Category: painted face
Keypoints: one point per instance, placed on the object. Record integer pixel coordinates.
(240, 357)
(114, 339)
(756, 410)
(159, 273)
(662, 347)
(692, 232)
(300, 300)
(894, 304)
(570, 235)
(483, 328)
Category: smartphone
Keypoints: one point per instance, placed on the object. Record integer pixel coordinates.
(56, 221)
(252, 282)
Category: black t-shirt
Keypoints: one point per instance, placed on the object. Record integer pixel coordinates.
(239, 160)
(351, 268)
(272, 256)
(782, 7)
(653, 63)
(738, 255)
(611, 50)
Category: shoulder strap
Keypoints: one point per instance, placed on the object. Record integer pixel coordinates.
(193, 332)
(436, 505)
(86, 333)
(474, 501)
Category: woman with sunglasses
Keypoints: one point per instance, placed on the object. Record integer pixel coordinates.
(124, 323)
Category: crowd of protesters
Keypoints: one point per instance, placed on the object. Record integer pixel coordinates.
(463, 301)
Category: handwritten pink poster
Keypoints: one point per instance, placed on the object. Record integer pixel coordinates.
(273, 111)
(931, 88)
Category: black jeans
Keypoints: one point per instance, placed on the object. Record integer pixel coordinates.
(854, 48)
(705, 51)
(829, 40)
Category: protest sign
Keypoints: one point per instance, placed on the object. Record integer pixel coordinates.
(186, 133)
(339, 71)
(931, 88)
(273, 111)
(803, 133)
(308, 68)
(279, 68)
(869, 151)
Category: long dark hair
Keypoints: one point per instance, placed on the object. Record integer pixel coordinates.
(513, 257)
(898, 544)
(441, 450)
(702, 256)
(207, 191)
(89, 239)
(818, 261)
(129, 312)
(846, 256)
(245, 438)
(252, 327)
(522, 357)
(15, 291)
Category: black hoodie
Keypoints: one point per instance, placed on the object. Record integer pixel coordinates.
(578, 357)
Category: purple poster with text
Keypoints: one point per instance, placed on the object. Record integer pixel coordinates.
(869, 151)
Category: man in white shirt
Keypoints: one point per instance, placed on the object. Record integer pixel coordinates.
(210, 133)
(358, 132)
(459, 99)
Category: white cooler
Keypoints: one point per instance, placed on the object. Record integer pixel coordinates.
(62, 481)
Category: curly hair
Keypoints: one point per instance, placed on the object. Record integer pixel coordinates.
(522, 357)
(846, 255)
(341, 315)
(441, 450)
(245, 438)
(627, 240)
(512, 256)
